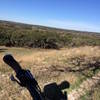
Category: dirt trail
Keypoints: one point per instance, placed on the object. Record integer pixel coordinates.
(87, 85)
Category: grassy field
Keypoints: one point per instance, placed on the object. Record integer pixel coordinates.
(93, 94)
(48, 66)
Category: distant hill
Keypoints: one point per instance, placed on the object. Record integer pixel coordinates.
(26, 35)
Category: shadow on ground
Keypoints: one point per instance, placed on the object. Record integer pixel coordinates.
(3, 50)
(88, 69)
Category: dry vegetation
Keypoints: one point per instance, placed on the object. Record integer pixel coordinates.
(14, 34)
(48, 66)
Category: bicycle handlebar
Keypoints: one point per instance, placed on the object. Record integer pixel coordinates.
(8, 59)
(25, 77)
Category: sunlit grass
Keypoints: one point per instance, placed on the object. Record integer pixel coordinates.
(41, 62)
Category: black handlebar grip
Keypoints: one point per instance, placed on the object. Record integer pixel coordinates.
(9, 59)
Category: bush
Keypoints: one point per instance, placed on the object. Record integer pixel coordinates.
(25, 36)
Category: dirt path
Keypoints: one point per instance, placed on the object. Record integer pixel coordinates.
(84, 87)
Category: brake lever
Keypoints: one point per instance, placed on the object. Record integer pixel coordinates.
(15, 80)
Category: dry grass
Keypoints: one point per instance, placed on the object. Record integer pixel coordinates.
(41, 63)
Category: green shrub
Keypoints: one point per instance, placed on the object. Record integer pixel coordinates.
(24, 36)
